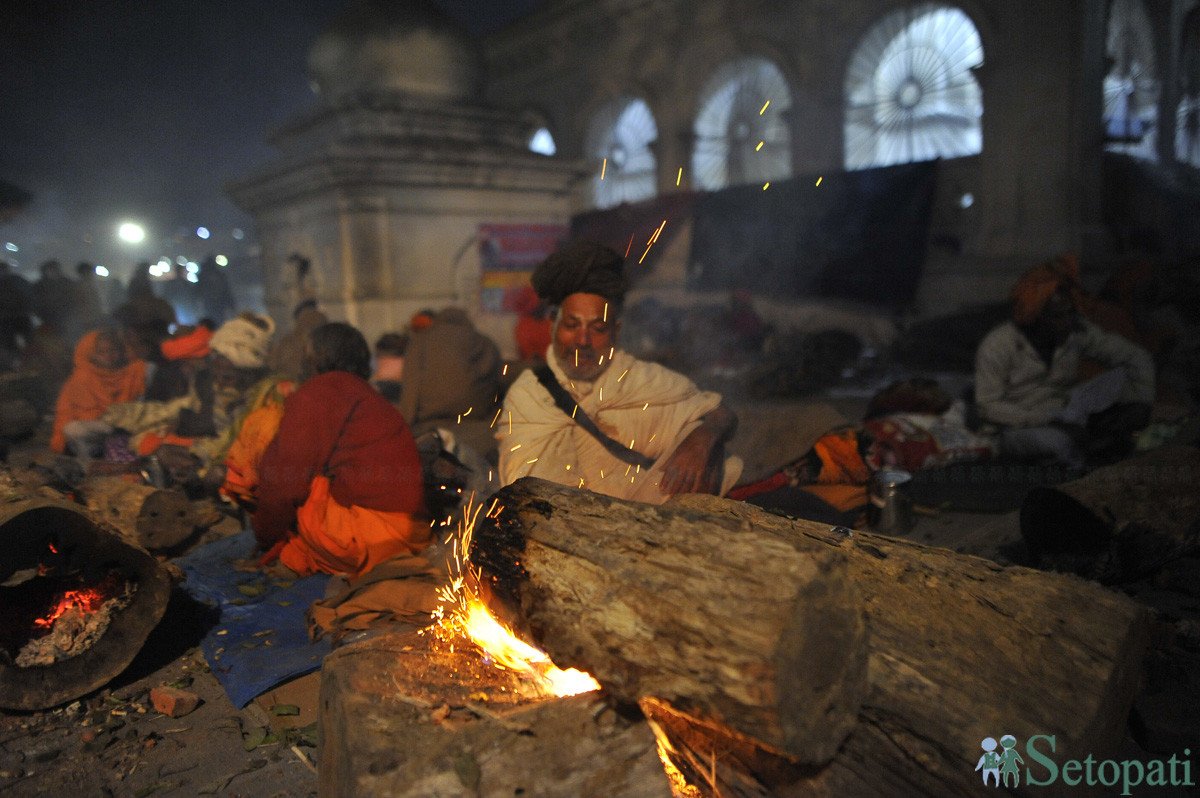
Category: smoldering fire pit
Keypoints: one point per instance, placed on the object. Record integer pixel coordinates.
(78, 602)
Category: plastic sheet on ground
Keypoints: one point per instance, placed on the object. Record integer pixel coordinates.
(261, 639)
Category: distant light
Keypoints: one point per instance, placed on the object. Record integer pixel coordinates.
(131, 233)
(158, 270)
(966, 200)
(164, 262)
(192, 267)
(11, 247)
(221, 260)
(238, 235)
(182, 261)
(192, 278)
(542, 142)
(202, 232)
(101, 271)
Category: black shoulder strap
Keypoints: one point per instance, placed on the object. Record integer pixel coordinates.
(564, 402)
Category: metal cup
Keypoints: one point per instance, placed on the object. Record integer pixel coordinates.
(890, 509)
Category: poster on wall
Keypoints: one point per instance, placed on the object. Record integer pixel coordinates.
(508, 254)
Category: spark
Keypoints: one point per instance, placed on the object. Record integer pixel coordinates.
(601, 473)
(574, 411)
(766, 185)
(459, 420)
(518, 446)
(576, 358)
(504, 370)
(819, 179)
(489, 475)
(510, 422)
(623, 373)
(611, 349)
(531, 462)
(469, 409)
(496, 418)
(760, 146)
(645, 405)
(763, 110)
(639, 469)
(628, 468)
(652, 437)
(568, 466)
(605, 317)
(632, 441)
(630, 246)
(603, 168)
(601, 361)
(601, 394)
(679, 176)
(581, 482)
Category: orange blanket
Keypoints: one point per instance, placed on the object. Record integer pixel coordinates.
(333, 539)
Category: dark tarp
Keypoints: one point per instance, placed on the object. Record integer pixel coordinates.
(858, 235)
(628, 227)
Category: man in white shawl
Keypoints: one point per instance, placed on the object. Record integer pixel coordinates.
(596, 417)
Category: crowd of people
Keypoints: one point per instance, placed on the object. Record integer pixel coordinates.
(341, 457)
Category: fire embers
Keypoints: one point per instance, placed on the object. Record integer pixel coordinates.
(52, 618)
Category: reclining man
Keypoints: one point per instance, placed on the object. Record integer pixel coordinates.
(594, 416)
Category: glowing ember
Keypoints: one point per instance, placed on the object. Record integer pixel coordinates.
(87, 600)
(679, 784)
(462, 613)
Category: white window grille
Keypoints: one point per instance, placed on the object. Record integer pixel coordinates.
(619, 142)
(911, 94)
(741, 131)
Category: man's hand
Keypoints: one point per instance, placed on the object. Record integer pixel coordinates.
(695, 465)
(693, 468)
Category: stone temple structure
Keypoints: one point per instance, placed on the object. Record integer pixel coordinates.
(421, 135)
(383, 186)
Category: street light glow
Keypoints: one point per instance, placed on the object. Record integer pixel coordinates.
(221, 260)
(131, 233)
(202, 232)
(101, 271)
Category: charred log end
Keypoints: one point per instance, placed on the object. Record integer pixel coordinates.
(165, 520)
(28, 527)
(1054, 523)
(498, 547)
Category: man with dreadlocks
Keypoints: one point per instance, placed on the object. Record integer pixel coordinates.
(593, 415)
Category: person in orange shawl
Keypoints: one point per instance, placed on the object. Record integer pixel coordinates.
(105, 373)
(340, 486)
(1028, 382)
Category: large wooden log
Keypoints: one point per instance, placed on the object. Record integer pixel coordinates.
(154, 518)
(403, 717)
(732, 626)
(962, 649)
(1120, 522)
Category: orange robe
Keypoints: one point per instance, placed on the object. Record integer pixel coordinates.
(90, 389)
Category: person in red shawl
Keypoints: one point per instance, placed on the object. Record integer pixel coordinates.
(340, 486)
(105, 373)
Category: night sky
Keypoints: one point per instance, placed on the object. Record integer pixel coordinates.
(115, 110)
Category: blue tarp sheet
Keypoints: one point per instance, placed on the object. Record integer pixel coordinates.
(261, 639)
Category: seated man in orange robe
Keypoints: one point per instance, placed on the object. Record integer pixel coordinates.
(340, 486)
(105, 374)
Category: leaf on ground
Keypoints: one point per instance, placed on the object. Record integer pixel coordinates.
(285, 603)
(284, 583)
(251, 590)
(304, 735)
(182, 682)
(285, 709)
(254, 738)
(263, 633)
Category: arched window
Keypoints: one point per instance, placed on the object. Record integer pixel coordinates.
(741, 131)
(910, 91)
(619, 142)
(1131, 85)
(1187, 115)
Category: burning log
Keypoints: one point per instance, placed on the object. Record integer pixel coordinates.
(408, 716)
(78, 602)
(150, 517)
(1120, 522)
(735, 627)
(962, 649)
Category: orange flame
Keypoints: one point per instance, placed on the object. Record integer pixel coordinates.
(462, 613)
(88, 600)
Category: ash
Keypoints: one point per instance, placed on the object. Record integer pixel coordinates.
(74, 632)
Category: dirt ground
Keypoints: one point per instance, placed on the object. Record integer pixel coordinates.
(114, 743)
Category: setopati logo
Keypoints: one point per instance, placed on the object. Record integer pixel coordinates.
(1000, 765)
